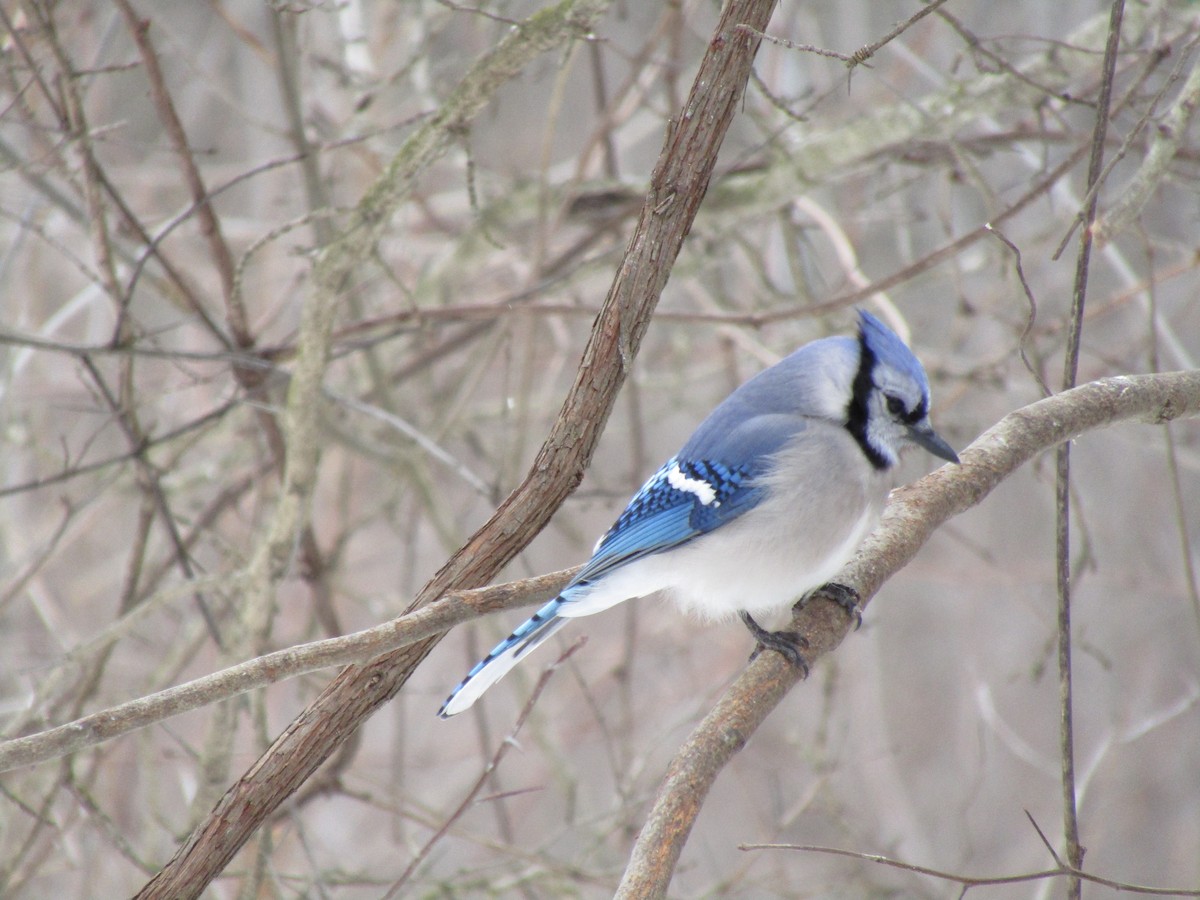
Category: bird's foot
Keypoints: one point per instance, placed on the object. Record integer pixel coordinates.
(843, 596)
(787, 644)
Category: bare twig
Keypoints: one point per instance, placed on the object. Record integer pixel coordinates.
(967, 881)
(152, 486)
(1031, 321)
(792, 45)
(1131, 136)
(210, 225)
(862, 54)
(1165, 140)
(436, 618)
(501, 750)
(74, 471)
(1062, 485)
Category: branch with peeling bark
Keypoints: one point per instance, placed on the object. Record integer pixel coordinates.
(678, 186)
(912, 514)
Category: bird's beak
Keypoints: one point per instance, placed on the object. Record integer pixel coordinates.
(924, 435)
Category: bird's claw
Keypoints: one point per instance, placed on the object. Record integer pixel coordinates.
(847, 598)
(844, 596)
(787, 644)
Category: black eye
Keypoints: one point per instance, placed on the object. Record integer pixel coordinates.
(896, 406)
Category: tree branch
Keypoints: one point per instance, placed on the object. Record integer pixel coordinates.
(912, 514)
(678, 186)
(438, 617)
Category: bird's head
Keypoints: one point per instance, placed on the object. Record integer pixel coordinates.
(888, 406)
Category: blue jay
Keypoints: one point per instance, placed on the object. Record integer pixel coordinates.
(767, 500)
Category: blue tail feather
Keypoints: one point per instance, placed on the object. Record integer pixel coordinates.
(524, 639)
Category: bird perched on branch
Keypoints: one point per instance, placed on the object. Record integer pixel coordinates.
(766, 501)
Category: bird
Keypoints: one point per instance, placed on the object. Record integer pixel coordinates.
(771, 495)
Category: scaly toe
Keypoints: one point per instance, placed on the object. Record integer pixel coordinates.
(787, 644)
(844, 596)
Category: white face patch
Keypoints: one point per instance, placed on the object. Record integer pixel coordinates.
(704, 491)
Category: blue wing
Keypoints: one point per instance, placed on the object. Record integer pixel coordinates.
(682, 500)
(698, 490)
(694, 493)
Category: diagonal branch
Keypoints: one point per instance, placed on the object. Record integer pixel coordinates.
(913, 513)
(210, 225)
(678, 186)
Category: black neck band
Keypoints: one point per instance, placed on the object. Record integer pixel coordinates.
(857, 411)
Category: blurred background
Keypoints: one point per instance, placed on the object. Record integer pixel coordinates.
(140, 465)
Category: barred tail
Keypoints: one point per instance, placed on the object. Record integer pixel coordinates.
(503, 657)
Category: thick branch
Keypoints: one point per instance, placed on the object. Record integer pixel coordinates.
(677, 188)
(912, 514)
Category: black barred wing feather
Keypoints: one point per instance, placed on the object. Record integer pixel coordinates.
(682, 500)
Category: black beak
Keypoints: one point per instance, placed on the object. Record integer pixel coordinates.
(924, 435)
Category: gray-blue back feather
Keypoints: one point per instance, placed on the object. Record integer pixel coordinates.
(759, 417)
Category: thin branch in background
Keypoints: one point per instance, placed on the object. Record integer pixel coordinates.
(28, 570)
(494, 763)
(176, 280)
(1059, 871)
(1187, 545)
(792, 45)
(862, 54)
(611, 163)
(283, 29)
(76, 125)
(976, 45)
(75, 471)
(476, 11)
(1165, 141)
(16, 37)
(851, 61)
(1062, 484)
(151, 483)
(210, 224)
(14, 875)
(152, 248)
(1089, 199)
(419, 438)
(1031, 319)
